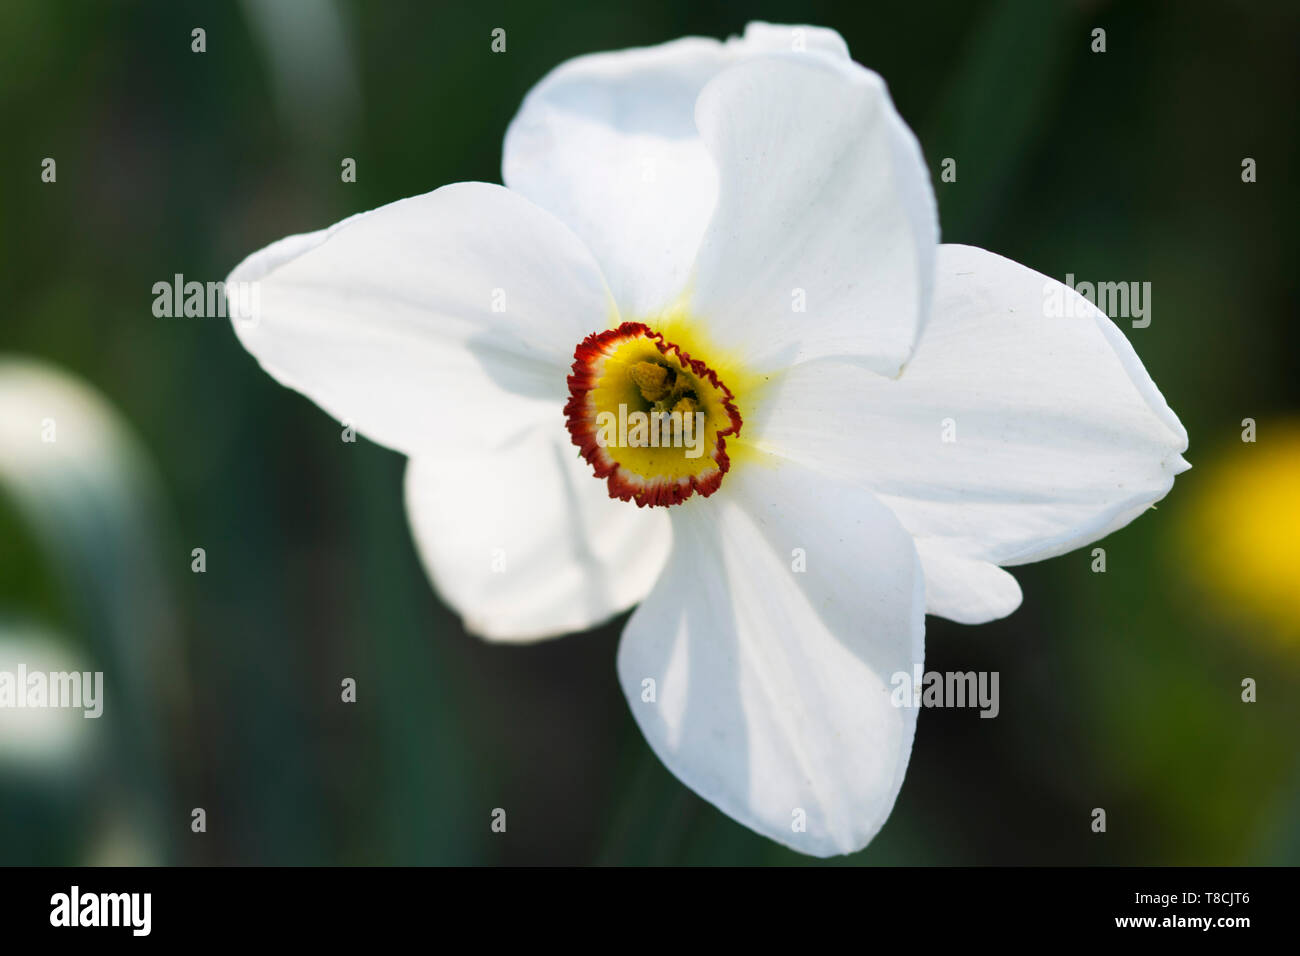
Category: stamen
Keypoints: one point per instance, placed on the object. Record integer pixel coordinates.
(687, 405)
(654, 381)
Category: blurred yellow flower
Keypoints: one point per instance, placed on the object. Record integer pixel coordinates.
(1245, 529)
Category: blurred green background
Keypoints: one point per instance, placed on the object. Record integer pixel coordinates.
(1119, 690)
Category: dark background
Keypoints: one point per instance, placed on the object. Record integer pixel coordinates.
(1119, 690)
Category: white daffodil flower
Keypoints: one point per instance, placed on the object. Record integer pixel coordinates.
(743, 235)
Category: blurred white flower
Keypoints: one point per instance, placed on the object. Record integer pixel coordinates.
(744, 229)
(48, 739)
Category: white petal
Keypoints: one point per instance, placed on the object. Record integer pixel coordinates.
(763, 37)
(445, 322)
(825, 231)
(1060, 435)
(772, 686)
(48, 740)
(608, 143)
(526, 543)
(965, 590)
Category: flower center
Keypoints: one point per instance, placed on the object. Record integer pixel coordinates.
(651, 419)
